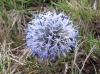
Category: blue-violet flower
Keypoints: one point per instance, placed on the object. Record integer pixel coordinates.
(50, 35)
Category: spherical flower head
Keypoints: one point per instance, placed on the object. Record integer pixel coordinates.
(50, 35)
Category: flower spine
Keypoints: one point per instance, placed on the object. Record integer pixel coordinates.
(50, 35)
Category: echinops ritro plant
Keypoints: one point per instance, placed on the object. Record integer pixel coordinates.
(50, 35)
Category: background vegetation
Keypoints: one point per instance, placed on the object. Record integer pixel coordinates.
(85, 59)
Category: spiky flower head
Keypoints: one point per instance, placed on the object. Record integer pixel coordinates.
(50, 35)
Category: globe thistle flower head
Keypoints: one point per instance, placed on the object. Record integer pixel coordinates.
(50, 35)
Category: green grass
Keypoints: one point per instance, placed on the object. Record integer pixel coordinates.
(15, 13)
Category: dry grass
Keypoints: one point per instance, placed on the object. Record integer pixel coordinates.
(7, 59)
(15, 59)
(12, 53)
